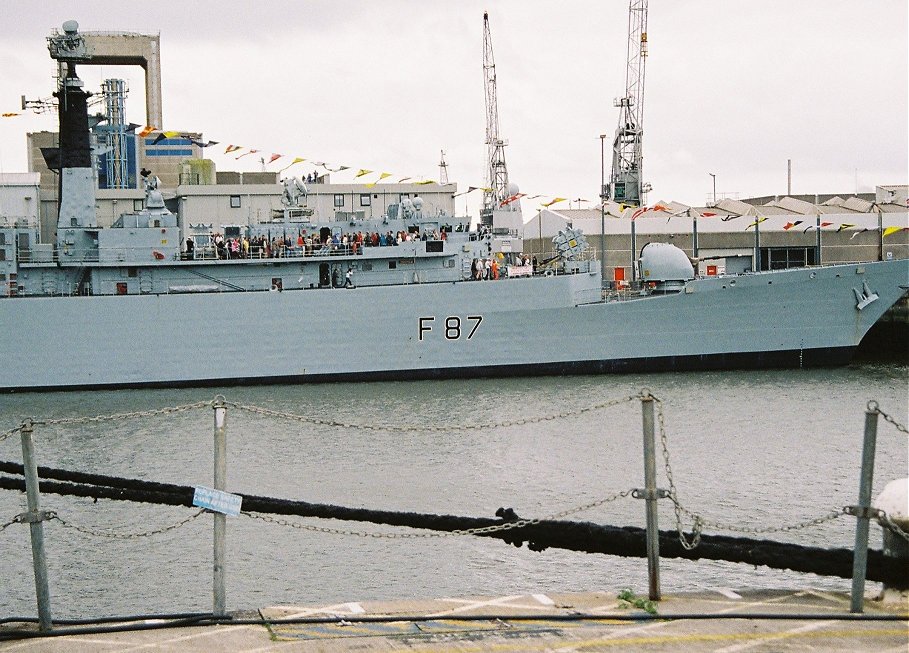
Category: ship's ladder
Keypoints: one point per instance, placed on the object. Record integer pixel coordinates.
(83, 287)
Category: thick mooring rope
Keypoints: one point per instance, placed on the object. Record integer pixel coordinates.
(574, 536)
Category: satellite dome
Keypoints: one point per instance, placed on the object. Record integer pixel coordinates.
(71, 27)
(418, 203)
(513, 189)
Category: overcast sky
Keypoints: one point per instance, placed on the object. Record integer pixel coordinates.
(732, 88)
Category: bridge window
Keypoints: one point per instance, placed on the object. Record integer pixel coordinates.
(339, 200)
(235, 201)
(365, 199)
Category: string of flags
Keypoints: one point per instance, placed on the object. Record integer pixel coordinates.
(160, 135)
(623, 211)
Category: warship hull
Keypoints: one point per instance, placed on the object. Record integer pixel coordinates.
(524, 326)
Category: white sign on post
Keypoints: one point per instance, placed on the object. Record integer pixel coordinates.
(218, 501)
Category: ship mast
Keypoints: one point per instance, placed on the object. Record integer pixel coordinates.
(76, 184)
(443, 170)
(625, 183)
(496, 173)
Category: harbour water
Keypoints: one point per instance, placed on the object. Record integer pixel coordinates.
(754, 449)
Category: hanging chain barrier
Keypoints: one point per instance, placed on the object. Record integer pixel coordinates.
(94, 419)
(875, 408)
(884, 518)
(50, 515)
(483, 530)
(120, 535)
(169, 410)
(699, 523)
(266, 412)
(6, 434)
(409, 428)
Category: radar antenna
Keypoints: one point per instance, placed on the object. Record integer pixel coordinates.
(625, 182)
(496, 192)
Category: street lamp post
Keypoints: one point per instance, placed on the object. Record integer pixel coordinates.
(714, 187)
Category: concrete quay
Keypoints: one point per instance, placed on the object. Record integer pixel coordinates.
(721, 620)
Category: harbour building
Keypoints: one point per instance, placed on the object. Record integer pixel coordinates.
(734, 236)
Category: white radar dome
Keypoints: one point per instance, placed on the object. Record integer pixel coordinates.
(513, 189)
(665, 262)
(418, 203)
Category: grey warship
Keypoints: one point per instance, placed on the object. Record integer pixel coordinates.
(307, 298)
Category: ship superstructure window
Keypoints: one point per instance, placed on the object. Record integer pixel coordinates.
(365, 200)
(339, 200)
(235, 201)
(138, 205)
(2, 238)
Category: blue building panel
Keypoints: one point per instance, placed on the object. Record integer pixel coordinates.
(168, 141)
(173, 152)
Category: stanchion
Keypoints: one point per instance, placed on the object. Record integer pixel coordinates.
(35, 517)
(650, 494)
(220, 544)
(863, 510)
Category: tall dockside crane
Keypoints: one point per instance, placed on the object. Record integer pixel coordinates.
(496, 193)
(625, 183)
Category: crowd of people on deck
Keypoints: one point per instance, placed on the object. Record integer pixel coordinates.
(285, 245)
(340, 243)
(486, 269)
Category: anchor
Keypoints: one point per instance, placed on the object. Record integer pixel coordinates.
(864, 297)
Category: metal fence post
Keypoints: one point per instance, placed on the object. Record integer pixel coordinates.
(653, 533)
(220, 530)
(34, 517)
(860, 556)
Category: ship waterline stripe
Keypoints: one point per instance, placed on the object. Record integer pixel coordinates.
(822, 357)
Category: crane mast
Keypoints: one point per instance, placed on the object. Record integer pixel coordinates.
(496, 192)
(625, 183)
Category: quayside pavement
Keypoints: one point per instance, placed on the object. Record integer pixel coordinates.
(722, 620)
